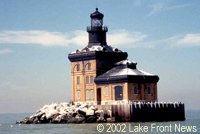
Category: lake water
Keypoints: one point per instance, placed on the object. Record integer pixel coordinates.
(191, 125)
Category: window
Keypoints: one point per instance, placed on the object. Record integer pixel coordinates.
(88, 66)
(118, 93)
(77, 80)
(106, 91)
(78, 97)
(87, 79)
(91, 79)
(135, 89)
(78, 67)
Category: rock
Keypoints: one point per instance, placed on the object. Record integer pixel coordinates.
(93, 108)
(75, 120)
(66, 113)
(64, 118)
(89, 112)
(60, 119)
(74, 114)
(91, 119)
(99, 113)
(25, 121)
(107, 114)
(54, 118)
(101, 120)
(84, 106)
(51, 113)
(36, 120)
(100, 116)
(110, 120)
(43, 119)
(83, 109)
(82, 112)
(79, 116)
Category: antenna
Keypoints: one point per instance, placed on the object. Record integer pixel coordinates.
(97, 4)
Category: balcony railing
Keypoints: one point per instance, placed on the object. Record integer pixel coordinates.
(102, 28)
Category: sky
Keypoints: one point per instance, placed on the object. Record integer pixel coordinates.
(36, 36)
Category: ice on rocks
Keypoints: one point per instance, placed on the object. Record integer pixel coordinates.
(65, 113)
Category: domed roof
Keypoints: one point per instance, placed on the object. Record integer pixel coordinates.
(126, 71)
(96, 14)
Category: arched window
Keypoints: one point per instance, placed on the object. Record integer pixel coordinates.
(88, 66)
(78, 67)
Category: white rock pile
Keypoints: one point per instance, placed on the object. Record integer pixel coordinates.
(67, 113)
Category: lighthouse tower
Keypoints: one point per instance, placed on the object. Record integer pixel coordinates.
(97, 32)
(93, 60)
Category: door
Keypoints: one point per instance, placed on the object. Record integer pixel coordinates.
(98, 96)
(118, 93)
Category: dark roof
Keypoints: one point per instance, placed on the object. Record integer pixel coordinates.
(126, 71)
(96, 14)
(90, 55)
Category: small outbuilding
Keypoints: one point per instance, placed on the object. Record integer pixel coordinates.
(125, 82)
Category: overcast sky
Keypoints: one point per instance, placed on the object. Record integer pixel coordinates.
(36, 36)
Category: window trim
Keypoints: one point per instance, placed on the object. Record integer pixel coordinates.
(78, 80)
(91, 79)
(89, 66)
(106, 91)
(87, 81)
(118, 89)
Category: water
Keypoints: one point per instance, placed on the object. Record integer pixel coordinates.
(8, 126)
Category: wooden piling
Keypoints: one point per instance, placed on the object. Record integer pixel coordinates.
(145, 112)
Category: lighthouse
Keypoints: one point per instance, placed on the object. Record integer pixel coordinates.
(102, 74)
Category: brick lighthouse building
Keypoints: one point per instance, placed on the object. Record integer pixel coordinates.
(102, 74)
